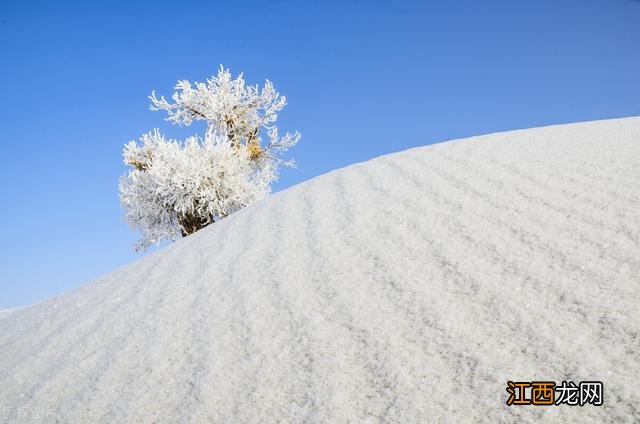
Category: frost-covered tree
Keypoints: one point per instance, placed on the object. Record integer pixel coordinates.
(175, 188)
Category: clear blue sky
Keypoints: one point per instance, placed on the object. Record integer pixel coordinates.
(363, 78)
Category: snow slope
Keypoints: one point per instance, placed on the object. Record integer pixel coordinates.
(6, 312)
(406, 289)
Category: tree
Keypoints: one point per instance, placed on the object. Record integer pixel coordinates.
(175, 188)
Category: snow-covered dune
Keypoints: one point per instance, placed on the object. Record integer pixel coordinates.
(6, 312)
(406, 289)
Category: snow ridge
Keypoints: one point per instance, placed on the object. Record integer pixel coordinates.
(405, 289)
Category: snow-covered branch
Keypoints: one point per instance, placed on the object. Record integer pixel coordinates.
(230, 106)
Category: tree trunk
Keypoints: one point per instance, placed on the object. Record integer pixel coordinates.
(189, 224)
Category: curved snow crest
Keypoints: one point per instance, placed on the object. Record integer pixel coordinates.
(405, 289)
(7, 312)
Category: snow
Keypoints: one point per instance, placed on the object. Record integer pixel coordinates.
(405, 289)
(6, 312)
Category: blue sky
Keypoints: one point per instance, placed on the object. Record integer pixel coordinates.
(363, 78)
